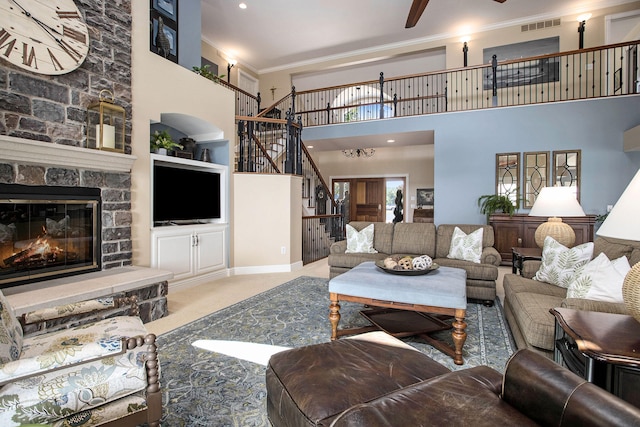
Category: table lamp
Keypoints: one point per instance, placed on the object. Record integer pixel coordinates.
(555, 202)
(622, 223)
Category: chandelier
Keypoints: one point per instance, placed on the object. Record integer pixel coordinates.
(359, 152)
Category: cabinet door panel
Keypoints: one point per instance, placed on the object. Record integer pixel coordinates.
(174, 253)
(210, 254)
(529, 233)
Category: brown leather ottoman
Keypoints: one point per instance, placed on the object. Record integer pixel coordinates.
(301, 393)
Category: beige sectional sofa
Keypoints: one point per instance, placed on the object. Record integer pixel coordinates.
(424, 239)
(527, 302)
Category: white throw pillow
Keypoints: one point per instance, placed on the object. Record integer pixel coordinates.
(602, 273)
(559, 262)
(467, 247)
(359, 242)
(600, 279)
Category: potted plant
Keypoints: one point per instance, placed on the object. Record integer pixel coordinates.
(490, 203)
(161, 142)
(206, 73)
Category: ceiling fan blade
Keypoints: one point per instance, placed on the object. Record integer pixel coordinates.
(417, 7)
(500, 1)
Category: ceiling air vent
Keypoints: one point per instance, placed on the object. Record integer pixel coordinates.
(540, 25)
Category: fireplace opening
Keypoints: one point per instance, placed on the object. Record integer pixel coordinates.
(48, 232)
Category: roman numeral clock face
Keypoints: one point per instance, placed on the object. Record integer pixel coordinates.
(43, 36)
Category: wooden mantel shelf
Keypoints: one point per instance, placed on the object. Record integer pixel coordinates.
(29, 151)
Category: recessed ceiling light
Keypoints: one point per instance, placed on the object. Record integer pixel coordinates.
(242, 5)
(391, 141)
(309, 146)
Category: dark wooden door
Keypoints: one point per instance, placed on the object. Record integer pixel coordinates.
(368, 199)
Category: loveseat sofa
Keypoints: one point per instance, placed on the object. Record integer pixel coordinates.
(527, 301)
(377, 380)
(424, 239)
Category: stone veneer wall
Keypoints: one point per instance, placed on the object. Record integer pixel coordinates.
(53, 109)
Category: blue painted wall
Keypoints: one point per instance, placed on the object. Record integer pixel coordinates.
(466, 144)
(189, 34)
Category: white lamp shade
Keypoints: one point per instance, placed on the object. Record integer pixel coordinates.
(623, 220)
(556, 202)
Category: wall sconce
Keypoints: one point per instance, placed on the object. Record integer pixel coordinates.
(105, 124)
(230, 65)
(359, 152)
(582, 19)
(465, 50)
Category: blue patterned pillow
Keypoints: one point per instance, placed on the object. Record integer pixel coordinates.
(10, 333)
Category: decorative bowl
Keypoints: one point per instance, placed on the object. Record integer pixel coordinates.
(380, 265)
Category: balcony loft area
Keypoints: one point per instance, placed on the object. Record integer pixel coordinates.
(611, 70)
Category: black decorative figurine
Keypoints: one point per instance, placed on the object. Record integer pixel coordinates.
(397, 212)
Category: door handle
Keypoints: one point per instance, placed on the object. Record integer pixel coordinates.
(379, 207)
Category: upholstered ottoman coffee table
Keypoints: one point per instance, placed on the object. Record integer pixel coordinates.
(441, 292)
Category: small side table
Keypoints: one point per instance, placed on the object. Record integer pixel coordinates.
(602, 348)
(520, 255)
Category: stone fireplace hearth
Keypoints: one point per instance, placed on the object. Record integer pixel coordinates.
(35, 163)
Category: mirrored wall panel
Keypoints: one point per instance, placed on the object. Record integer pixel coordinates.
(566, 170)
(536, 176)
(507, 175)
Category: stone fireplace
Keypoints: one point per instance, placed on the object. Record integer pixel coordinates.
(43, 166)
(48, 232)
(34, 163)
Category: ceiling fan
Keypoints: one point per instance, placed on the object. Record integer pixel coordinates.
(417, 7)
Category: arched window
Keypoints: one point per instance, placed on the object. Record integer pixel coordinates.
(358, 103)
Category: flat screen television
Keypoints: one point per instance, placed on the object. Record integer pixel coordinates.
(185, 195)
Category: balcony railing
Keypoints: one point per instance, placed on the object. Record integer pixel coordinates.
(582, 74)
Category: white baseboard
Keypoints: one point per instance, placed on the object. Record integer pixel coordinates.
(262, 269)
(198, 280)
(220, 274)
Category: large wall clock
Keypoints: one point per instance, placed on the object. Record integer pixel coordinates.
(43, 36)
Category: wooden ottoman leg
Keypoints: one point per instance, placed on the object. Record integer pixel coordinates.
(334, 315)
(459, 335)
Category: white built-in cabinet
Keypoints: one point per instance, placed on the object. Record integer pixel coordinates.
(194, 252)
(190, 251)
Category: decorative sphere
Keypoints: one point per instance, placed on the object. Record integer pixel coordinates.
(390, 263)
(427, 259)
(419, 263)
(406, 263)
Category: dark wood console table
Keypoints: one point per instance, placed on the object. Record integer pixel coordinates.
(602, 348)
(519, 231)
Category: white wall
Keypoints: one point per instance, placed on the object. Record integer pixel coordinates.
(403, 65)
(268, 217)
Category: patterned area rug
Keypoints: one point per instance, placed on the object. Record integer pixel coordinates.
(204, 388)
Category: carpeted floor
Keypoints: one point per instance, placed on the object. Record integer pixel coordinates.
(204, 388)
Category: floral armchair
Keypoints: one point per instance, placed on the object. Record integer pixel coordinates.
(101, 373)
